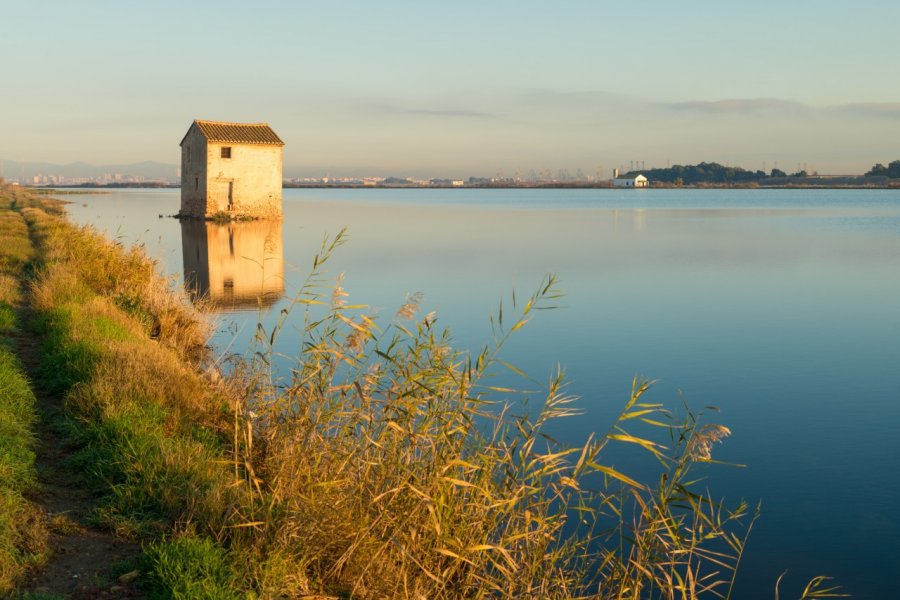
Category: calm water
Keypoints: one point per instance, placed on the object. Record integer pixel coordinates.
(780, 307)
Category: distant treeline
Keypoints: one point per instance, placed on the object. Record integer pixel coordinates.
(721, 174)
(709, 173)
(892, 170)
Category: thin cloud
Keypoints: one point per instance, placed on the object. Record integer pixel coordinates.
(570, 98)
(462, 113)
(756, 106)
(888, 110)
(739, 106)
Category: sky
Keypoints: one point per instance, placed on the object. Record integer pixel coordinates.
(454, 89)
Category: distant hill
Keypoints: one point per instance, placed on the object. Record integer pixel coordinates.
(13, 170)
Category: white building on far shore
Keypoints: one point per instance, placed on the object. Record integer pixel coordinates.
(638, 181)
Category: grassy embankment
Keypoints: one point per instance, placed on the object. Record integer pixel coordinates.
(124, 353)
(378, 467)
(22, 535)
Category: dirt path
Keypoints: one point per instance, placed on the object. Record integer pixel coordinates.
(82, 556)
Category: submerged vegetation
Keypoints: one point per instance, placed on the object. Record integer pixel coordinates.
(384, 464)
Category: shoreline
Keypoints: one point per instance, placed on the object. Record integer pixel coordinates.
(232, 497)
(101, 189)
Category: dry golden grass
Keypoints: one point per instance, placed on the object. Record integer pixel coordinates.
(23, 535)
(125, 351)
(10, 292)
(126, 276)
(385, 467)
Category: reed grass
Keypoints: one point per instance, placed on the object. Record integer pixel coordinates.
(385, 466)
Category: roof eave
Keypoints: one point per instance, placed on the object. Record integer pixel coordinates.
(194, 124)
(234, 143)
(217, 132)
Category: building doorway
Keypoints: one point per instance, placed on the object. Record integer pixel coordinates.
(224, 195)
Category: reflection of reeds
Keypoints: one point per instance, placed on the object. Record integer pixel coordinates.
(385, 466)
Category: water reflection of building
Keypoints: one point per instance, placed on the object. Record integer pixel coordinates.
(238, 265)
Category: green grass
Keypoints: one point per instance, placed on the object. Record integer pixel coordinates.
(145, 425)
(68, 358)
(22, 531)
(8, 318)
(17, 416)
(224, 217)
(136, 411)
(64, 362)
(189, 567)
(22, 535)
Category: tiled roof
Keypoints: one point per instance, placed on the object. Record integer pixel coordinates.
(238, 133)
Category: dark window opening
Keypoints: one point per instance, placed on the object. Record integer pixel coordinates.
(226, 152)
(196, 183)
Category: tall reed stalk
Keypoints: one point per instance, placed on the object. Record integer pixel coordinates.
(384, 465)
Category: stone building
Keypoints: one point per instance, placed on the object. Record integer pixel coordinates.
(231, 170)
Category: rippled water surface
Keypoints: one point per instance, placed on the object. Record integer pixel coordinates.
(779, 307)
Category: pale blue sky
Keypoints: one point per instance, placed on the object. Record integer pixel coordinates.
(458, 88)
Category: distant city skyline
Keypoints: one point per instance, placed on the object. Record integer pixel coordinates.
(43, 174)
(431, 90)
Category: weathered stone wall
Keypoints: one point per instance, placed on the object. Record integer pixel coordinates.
(193, 174)
(254, 176)
(246, 184)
